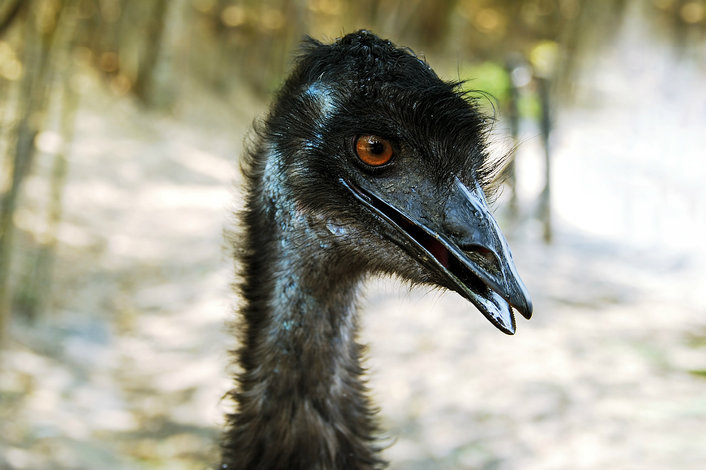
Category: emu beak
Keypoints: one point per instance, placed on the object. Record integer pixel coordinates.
(459, 237)
(473, 238)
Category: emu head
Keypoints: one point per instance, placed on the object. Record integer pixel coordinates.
(383, 167)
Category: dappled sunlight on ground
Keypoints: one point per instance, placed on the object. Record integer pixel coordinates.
(131, 369)
(602, 377)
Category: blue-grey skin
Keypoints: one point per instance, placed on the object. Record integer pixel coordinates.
(318, 220)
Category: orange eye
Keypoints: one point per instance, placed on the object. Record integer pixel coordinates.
(373, 150)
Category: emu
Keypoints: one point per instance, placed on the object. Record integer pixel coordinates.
(367, 163)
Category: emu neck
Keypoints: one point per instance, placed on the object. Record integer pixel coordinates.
(300, 403)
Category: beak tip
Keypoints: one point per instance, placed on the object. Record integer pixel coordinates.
(527, 309)
(506, 323)
(508, 329)
(521, 300)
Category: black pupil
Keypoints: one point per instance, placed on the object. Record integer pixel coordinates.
(376, 147)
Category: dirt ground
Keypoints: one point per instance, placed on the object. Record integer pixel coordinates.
(128, 367)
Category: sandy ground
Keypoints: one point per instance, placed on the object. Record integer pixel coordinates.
(128, 368)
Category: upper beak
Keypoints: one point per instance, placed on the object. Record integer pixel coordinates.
(465, 243)
(473, 238)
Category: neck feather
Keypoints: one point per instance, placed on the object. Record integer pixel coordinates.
(300, 402)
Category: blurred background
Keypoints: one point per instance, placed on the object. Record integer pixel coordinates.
(121, 123)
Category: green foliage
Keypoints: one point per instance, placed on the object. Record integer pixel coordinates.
(489, 78)
(529, 106)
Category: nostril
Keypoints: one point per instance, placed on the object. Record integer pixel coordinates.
(484, 252)
(455, 229)
(482, 256)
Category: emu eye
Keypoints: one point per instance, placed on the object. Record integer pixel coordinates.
(373, 150)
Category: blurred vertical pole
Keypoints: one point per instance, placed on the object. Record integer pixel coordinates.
(145, 81)
(513, 114)
(545, 129)
(35, 286)
(544, 58)
(37, 290)
(39, 19)
(10, 14)
(18, 167)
